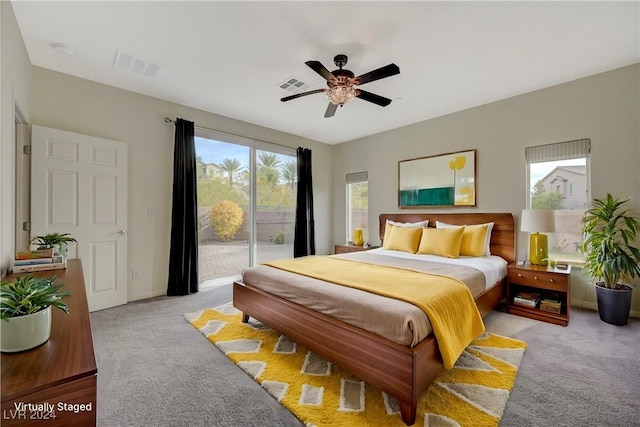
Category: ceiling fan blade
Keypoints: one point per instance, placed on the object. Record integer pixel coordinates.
(380, 73)
(372, 97)
(321, 69)
(331, 110)
(298, 95)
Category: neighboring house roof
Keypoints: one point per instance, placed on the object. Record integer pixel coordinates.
(578, 169)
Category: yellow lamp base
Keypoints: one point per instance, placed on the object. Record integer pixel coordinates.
(538, 252)
(358, 236)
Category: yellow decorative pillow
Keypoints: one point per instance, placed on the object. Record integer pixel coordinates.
(444, 242)
(404, 239)
(468, 245)
(389, 223)
(473, 240)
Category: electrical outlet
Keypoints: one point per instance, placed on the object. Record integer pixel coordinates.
(135, 273)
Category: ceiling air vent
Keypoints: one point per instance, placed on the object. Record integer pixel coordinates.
(128, 62)
(294, 85)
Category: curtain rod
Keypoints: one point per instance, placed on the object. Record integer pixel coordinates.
(169, 120)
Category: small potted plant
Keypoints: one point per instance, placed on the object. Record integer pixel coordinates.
(612, 260)
(54, 240)
(25, 310)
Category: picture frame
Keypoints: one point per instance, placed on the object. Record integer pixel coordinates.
(438, 181)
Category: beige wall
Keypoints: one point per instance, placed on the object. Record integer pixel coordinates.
(65, 102)
(604, 108)
(15, 76)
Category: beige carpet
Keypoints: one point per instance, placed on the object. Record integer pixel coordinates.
(473, 393)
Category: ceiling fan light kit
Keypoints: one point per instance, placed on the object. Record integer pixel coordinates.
(340, 95)
(342, 84)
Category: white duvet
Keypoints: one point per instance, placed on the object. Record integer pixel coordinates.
(493, 267)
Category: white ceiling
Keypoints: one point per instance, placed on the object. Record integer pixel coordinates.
(229, 57)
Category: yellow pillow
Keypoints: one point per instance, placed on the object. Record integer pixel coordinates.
(473, 240)
(444, 242)
(404, 239)
(389, 224)
(487, 237)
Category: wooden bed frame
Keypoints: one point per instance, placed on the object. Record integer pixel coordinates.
(402, 372)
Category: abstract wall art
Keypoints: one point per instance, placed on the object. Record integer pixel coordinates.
(436, 181)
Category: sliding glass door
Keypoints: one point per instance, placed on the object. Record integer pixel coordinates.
(246, 203)
(276, 185)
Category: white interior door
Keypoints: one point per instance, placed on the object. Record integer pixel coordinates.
(79, 186)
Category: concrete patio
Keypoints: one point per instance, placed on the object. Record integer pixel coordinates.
(219, 260)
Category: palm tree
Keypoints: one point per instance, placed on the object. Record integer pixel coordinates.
(290, 173)
(230, 166)
(269, 160)
(268, 164)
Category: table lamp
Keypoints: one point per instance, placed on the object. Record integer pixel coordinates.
(536, 221)
(358, 236)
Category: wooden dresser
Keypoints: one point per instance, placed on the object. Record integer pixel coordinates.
(55, 384)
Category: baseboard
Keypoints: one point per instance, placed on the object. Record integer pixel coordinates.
(154, 293)
(594, 306)
(204, 286)
(586, 304)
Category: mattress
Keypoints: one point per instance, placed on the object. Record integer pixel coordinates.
(396, 320)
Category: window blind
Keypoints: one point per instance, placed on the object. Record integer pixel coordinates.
(357, 177)
(575, 149)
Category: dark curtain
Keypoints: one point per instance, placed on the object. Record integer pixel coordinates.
(183, 255)
(304, 241)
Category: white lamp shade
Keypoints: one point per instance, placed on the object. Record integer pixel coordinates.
(537, 220)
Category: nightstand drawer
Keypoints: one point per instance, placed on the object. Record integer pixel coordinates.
(539, 279)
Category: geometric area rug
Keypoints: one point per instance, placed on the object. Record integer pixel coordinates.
(473, 393)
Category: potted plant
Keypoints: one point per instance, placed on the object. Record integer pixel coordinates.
(25, 308)
(609, 234)
(54, 240)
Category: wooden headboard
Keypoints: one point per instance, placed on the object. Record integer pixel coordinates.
(502, 237)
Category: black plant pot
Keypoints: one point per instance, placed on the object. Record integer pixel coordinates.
(614, 305)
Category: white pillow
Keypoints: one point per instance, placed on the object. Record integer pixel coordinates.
(387, 230)
(418, 224)
(487, 239)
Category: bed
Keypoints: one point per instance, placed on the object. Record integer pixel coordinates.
(403, 371)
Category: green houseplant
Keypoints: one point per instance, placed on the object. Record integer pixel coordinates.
(57, 240)
(25, 308)
(609, 234)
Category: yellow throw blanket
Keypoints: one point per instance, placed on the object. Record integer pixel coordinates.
(447, 301)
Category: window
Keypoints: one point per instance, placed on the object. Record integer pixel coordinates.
(357, 204)
(558, 179)
(255, 177)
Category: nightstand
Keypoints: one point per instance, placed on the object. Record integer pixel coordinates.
(343, 249)
(548, 282)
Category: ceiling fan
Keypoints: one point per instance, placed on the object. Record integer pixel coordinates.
(342, 84)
